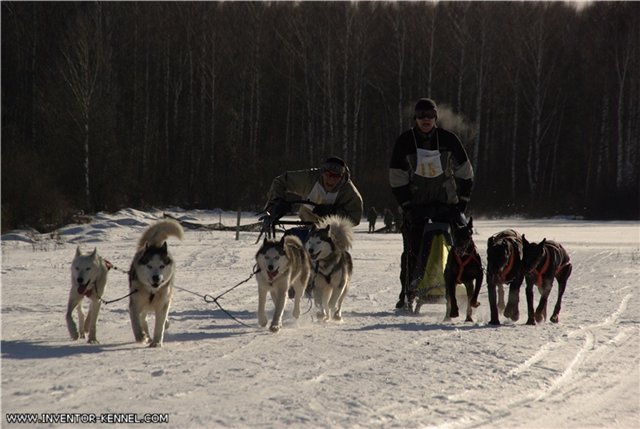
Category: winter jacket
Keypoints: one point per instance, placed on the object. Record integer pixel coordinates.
(432, 168)
(307, 185)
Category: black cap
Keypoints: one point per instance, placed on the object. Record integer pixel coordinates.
(334, 165)
(426, 104)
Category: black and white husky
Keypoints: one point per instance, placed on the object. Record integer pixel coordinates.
(151, 280)
(328, 246)
(282, 265)
(88, 279)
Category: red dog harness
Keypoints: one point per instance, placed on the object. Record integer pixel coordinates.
(507, 269)
(542, 271)
(463, 263)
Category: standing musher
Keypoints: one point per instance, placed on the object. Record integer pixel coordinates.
(431, 177)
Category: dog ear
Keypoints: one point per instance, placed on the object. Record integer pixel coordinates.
(470, 223)
(78, 250)
(164, 247)
(94, 254)
(524, 240)
(542, 243)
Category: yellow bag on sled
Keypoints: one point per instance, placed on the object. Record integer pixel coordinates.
(432, 283)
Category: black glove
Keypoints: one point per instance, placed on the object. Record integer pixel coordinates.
(323, 210)
(279, 208)
(274, 211)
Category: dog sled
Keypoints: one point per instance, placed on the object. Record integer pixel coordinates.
(427, 283)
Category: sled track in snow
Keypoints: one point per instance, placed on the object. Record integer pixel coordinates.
(566, 377)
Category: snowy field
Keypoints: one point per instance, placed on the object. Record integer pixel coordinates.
(376, 369)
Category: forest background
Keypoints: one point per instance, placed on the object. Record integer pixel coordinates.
(108, 105)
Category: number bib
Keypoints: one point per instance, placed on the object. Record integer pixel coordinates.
(428, 163)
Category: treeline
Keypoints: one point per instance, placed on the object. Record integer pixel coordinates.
(200, 104)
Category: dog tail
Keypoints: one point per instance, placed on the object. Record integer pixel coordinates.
(158, 233)
(340, 230)
(294, 249)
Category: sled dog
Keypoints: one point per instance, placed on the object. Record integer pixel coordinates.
(88, 279)
(542, 263)
(151, 278)
(282, 265)
(328, 246)
(504, 266)
(464, 266)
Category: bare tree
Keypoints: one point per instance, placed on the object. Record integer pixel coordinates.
(83, 60)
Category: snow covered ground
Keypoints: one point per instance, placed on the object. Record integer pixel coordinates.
(377, 369)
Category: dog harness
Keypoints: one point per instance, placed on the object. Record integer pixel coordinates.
(507, 269)
(472, 256)
(327, 277)
(545, 266)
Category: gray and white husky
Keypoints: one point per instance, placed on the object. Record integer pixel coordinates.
(282, 265)
(88, 279)
(151, 278)
(328, 246)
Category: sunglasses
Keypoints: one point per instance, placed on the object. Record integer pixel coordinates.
(429, 114)
(332, 174)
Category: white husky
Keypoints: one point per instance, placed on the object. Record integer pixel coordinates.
(151, 281)
(328, 245)
(282, 265)
(88, 278)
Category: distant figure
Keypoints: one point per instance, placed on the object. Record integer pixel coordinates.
(388, 220)
(372, 216)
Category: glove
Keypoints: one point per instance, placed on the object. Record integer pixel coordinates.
(323, 210)
(274, 211)
(279, 208)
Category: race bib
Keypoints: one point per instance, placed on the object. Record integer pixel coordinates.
(428, 163)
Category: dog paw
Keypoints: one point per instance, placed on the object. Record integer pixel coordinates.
(555, 318)
(93, 341)
(475, 304)
(495, 322)
(469, 319)
(337, 317)
(155, 344)
(74, 336)
(262, 321)
(539, 317)
(531, 322)
(275, 328)
(454, 312)
(512, 312)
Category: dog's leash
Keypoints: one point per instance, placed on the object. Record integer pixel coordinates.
(110, 266)
(210, 299)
